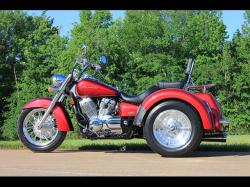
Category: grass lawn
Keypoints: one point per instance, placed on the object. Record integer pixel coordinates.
(234, 143)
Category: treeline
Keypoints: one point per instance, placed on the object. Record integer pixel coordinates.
(143, 48)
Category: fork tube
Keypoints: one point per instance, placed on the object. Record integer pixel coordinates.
(55, 99)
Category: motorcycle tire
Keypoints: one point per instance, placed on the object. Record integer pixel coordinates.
(194, 121)
(57, 141)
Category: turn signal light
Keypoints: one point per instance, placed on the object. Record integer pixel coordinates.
(52, 89)
(49, 89)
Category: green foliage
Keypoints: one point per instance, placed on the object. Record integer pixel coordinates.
(145, 47)
(35, 56)
(239, 102)
(14, 25)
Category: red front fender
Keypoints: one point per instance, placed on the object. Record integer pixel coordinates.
(167, 94)
(61, 115)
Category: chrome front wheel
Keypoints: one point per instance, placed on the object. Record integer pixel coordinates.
(40, 136)
(44, 138)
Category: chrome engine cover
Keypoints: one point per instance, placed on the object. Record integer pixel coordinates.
(88, 107)
(107, 106)
(105, 123)
(101, 120)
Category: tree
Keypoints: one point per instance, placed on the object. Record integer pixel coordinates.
(144, 48)
(93, 32)
(239, 108)
(39, 49)
(14, 25)
(157, 44)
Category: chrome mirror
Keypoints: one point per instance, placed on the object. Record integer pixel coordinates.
(103, 59)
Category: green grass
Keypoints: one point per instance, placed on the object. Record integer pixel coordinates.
(234, 143)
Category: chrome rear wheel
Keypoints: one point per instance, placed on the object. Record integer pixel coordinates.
(172, 128)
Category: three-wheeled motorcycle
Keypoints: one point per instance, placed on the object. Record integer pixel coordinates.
(173, 117)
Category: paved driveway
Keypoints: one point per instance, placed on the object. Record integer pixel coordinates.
(117, 163)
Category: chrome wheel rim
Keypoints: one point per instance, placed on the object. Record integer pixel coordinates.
(172, 129)
(39, 136)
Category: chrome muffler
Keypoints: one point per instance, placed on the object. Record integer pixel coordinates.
(105, 123)
(114, 123)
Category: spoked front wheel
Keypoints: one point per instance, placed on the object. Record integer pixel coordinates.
(39, 139)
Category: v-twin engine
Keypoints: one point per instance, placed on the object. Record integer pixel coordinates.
(101, 118)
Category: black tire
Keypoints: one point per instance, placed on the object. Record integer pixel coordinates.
(35, 148)
(195, 137)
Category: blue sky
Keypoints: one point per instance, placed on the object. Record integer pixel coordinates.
(65, 19)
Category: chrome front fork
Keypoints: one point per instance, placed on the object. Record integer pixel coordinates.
(55, 99)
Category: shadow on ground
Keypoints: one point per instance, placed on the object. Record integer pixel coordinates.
(203, 151)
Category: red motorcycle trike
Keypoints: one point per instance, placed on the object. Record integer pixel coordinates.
(173, 117)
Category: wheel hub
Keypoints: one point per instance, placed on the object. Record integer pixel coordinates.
(46, 129)
(172, 128)
(173, 125)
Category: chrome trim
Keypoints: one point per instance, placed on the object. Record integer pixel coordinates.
(172, 128)
(42, 136)
(114, 123)
(223, 120)
(218, 100)
(55, 99)
(61, 98)
(111, 123)
(73, 90)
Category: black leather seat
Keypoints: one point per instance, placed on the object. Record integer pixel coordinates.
(163, 85)
(138, 99)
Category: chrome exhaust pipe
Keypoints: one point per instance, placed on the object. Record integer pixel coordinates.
(114, 123)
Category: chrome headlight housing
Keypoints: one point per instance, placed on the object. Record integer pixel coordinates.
(57, 80)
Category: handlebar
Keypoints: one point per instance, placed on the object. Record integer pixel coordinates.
(96, 66)
(85, 64)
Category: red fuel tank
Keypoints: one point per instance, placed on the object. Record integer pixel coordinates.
(90, 88)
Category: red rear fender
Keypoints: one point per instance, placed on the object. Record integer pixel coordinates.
(61, 115)
(167, 94)
(215, 107)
